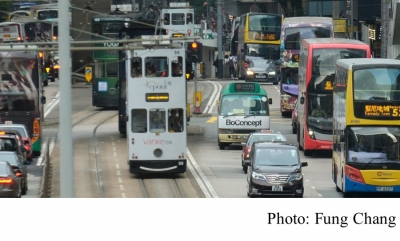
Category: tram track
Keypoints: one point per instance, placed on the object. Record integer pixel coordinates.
(161, 186)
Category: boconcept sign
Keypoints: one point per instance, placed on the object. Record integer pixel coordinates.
(243, 123)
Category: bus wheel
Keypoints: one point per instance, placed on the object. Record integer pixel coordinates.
(221, 145)
(307, 152)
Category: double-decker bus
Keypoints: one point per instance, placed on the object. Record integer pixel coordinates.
(136, 30)
(295, 29)
(259, 37)
(20, 78)
(105, 78)
(156, 106)
(366, 126)
(317, 67)
(242, 108)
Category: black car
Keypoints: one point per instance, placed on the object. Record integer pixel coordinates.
(10, 183)
(18, 165)
(275, 170)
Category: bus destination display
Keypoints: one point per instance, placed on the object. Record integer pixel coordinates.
(244, 87)
(262, 36)
(382, 110)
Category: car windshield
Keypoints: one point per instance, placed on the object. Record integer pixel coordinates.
(7, 144)
(10, 158)
(261, 64)
(276, 157)
(20, 130)
(267, 138)
(3, 169)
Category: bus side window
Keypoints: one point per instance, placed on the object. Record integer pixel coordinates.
(139, 120)
(157, 120)
(166, 18)
(175, 120)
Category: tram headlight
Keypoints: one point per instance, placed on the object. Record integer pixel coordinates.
(158, 152)
(311, 134)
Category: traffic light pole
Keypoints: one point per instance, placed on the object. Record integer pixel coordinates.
(219, 40)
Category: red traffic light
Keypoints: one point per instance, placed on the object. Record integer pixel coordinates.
(194, 45)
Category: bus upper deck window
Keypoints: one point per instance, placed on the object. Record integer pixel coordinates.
(166, 18)
(189, 18)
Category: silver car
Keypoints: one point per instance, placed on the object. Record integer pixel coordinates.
(261, 70)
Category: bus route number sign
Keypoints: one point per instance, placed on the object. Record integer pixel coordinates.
(244, 87)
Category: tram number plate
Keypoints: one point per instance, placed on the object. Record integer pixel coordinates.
(277, 188)
(384, 189)
(261, 76)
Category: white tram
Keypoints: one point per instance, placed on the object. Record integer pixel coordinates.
(156, 106)
(178, 19)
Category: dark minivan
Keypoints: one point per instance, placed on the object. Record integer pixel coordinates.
(275, 170)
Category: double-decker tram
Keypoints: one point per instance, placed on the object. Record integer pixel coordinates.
(366, 126)
(105, 90)
(258, 38)
(242, 108)
(317, 67)
(156, 106)
(135, 30)
(294, 29)
(20, 90)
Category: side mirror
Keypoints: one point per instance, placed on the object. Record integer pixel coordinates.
(301, 100)
(304, 164)
(43, 100)
(270, 101)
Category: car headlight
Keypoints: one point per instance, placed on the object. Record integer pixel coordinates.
(258, 176)
(225, 131)
(249, 72)
(297, 176)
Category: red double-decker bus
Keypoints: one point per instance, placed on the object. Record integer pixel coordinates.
(316, 75)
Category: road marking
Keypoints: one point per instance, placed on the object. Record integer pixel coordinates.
(119, 180)
(212, 119)
(121, 187)
(117, 166)
(211, 101)
(118, 173)
(52, 104)
(210, 192)
(123, 195)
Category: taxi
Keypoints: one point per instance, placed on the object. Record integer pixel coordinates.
(262, 135)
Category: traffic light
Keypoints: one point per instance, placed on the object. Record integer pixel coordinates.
(195, 48)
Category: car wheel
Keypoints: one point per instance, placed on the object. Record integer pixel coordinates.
(249, 192)
(25, 188)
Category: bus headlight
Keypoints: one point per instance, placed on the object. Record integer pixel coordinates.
(224, 131)
(311, 134)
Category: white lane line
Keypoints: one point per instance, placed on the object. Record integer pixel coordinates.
(117, 166)
(52, 104)
(203, 177)
(114, 149)
(44, 150)
(119, 180)
(121, 187)
(211, 100)
(202, 187)
(123, 195)
(118, 173)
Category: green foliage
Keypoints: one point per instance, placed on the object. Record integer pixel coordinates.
(5, 7)
(291, 8)
(398, 56)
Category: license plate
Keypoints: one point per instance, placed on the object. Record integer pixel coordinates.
(261, 76)
(384, 189)
(8, 122)
(277, 188)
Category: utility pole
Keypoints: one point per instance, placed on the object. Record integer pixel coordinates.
(66, 142)
(385, 28)
(219, 40)
(351, 19)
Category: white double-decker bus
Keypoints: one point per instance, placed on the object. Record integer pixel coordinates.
(156, 106)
